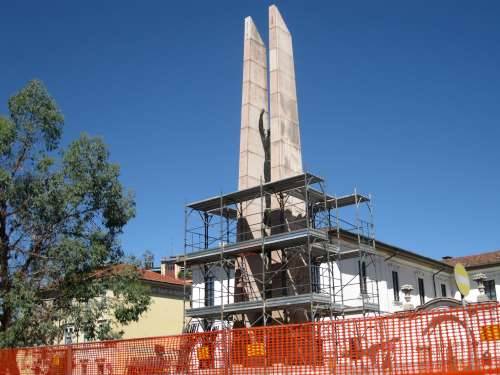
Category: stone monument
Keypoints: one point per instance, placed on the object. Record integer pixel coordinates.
(269, 142)
(285, 153)
(254, 106)
(286, 156)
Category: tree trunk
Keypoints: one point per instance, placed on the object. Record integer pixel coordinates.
(6, 315)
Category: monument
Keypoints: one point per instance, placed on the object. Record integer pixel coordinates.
(254, 107)
(286, 157)
(281, 120)
(270, 136)
(269, 252)
(269, 141)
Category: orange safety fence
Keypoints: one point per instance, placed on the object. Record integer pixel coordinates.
(447, 341)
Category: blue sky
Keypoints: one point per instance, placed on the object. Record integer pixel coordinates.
(400, 99)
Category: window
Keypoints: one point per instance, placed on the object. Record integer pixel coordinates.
(362, 278)
(209, 291)
(489, 289)
(443, 290)
(316, 280)
(395, 285)
(421, 290)
(69, 331)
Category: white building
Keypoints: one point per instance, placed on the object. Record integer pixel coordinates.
(487, 263)
(309, 256)
(433, 280)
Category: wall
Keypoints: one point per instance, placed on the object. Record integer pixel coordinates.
(492, 273)
(378, 268)
(408, 273)
(223, 286)
(164, 317)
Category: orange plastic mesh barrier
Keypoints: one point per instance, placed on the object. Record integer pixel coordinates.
(451, 341)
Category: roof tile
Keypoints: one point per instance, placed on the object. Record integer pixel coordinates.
(476, 260)
(148, 275)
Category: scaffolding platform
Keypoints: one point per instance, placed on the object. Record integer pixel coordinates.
(359, 310)
(269, 243)
(298, 240)
(245, 195)
(316, 299)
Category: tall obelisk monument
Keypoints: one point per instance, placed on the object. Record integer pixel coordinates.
(286, 155)
(269, 140)
(254, 129)
(254, 108)
(285, 152)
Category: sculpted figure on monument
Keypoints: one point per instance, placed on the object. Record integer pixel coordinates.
(265, 137)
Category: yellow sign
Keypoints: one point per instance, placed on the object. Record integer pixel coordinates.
(490, 332)
(203, 353)
(256, 349)
(55, 360)
(462, 279)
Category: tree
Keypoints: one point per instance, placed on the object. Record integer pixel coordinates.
(185, 273)
(61, 213)
(148, 260)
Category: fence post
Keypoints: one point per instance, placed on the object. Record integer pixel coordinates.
(69, 360)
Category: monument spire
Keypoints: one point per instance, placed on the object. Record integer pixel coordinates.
(286, 152)
(269, 149)
(254, 108)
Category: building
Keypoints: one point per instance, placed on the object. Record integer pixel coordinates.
(164, 316)
(169, 266)
(282, 249)
(485, 265)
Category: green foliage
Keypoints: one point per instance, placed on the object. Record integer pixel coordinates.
(61, 212)
(148, 259)
(188, 274)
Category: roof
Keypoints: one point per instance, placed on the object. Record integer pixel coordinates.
(148, 275)
(396, 251)
(414, 255)
(144, 274)
(476, 260)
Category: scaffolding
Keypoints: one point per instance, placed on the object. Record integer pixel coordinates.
(279, 253)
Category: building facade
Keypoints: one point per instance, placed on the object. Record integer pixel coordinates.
(432, 280)
(165, 314)
(163, 317)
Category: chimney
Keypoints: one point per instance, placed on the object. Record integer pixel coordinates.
(164, 267)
